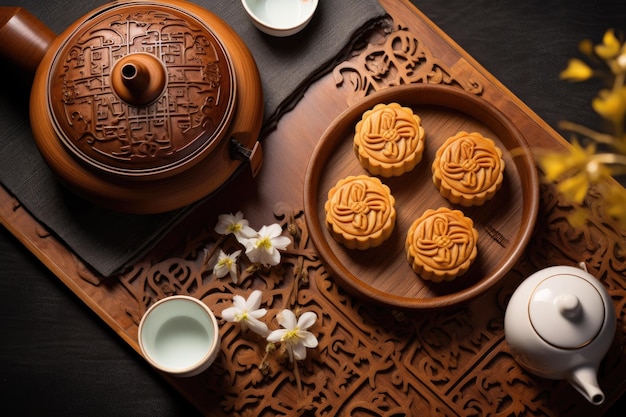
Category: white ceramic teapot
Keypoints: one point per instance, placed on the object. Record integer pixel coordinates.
(559, 324)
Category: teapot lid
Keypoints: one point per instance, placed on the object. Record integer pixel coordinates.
(141, 89)
(566, 310)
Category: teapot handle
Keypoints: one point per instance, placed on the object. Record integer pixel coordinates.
(24, 39)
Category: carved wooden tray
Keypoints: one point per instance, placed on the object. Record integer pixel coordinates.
(504, 223)
(370, 361)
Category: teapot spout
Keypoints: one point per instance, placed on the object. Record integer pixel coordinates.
(585, 380)
(24, 39)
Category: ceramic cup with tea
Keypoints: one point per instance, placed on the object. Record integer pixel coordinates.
(179, 335)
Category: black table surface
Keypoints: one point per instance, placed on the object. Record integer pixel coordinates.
(57, 358)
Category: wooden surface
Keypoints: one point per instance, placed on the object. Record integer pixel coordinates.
(370, 361)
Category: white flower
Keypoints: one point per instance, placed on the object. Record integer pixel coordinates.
(294, 334)
(247, 313)
(235, 224)
(264, 247)
(227, 264)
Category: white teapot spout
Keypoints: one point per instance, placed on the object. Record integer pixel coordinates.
(585, 380)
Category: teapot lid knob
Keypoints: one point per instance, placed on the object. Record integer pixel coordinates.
(569, 306)
(567, 311)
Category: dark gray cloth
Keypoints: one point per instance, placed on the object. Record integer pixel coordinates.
(107, 240)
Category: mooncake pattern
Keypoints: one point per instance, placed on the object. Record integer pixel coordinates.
(360, 212)
(468, 169)
(389, 140)
(441, 244)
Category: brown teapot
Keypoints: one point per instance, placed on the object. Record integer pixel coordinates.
(141, 106)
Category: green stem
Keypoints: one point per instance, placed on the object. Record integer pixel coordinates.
(296, 372)
(618, 84)
(589, 133)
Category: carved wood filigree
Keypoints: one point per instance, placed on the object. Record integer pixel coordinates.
(400, 58)
(372, 361)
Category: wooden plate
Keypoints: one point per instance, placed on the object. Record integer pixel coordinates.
(504, 224)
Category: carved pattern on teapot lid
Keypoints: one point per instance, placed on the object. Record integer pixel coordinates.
(141, 128)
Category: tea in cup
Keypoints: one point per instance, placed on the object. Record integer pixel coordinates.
(179, 335)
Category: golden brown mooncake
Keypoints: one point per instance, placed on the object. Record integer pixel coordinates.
(360, 212)
(389, 140)
(468, 169)
(441, 245)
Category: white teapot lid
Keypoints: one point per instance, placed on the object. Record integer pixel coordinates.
(566, 311)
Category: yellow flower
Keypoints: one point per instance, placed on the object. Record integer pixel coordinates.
(574, 188)
(576, 70)
(610, 46)
(611, 104)
(615, 199)
(556, 164)
(578, 217)
(574, 171)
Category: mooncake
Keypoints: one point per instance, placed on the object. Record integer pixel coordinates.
(468, 169)
(360, 212)
(389, 140)
(441, 244)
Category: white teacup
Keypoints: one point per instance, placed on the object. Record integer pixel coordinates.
(280, 17)
(179, 335)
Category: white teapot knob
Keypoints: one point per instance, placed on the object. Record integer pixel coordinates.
(569, 306)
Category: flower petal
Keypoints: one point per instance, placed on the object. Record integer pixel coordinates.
(616, 203)
(234, 277)
(257, 314)
(307, 320)
(610, 104)
(245, 232)
(276, 335)
(287, 319)
(308, 339)
(239, 302)
(578, 217)
(576, 70)
(273, 230)
(574, 188)
(254, 300)
(257, 326)
(299, 351)
(271, 258)
(281, 242)
(554, 165)
(610, 46)
(229, 314)
(220, 271)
